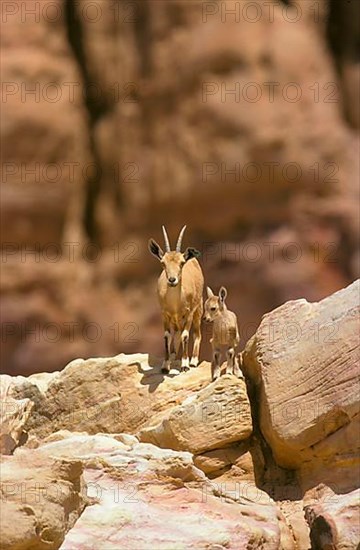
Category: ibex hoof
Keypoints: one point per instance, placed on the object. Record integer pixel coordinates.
(184, 368)
(238, 373)
(165, 368)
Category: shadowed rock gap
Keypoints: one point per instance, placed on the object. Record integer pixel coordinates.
(142, 34)
(343, 37)
(278, 482)
(96, 107)
(142, 28)
(343, 29)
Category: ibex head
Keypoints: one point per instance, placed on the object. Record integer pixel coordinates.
(214, 304)
(172, 261)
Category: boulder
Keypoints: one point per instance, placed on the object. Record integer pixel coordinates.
(146, 497)
(304, 362)
(14, 414)
(42, 497)
(184, 412)
(333, 518)
(214, 417)
(214, 462)
(114, 394)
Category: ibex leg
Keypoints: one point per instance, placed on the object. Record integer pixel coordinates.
(167, 342)
(197, 337)
(215, 364)
(230, 363)
(185, 345)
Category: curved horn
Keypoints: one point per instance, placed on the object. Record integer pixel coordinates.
(178, 244)
(166, 239)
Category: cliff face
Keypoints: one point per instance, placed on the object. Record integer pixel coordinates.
(111, 453)
(119, 117)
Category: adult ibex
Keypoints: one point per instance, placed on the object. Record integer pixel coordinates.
(180, 292)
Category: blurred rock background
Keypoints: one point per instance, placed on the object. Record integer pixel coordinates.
(239, 119)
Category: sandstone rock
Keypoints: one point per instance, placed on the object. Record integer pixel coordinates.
(333, 518)
(44, 127)
(13, 416)
(42, 497)
(293, 513)
(133, 394)
(132, 483)
(258, 507)
(60, 318)
(146, 497)
(216, 461)
(121, 454)
(215, 417)
(304, 361)
(115, 394)
(335, 461)
(150, 66)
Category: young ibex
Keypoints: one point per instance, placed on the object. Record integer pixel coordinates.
(225, 333)
(180, 290)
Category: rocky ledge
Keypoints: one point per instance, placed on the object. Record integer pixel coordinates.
(109, 453)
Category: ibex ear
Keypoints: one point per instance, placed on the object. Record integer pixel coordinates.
(191, 253)
(222, 294)
(155, 249)
(210, 293)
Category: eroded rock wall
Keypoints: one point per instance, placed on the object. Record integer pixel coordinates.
(170, 112)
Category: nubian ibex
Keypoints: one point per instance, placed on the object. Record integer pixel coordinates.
(180, 292)
(225, 333)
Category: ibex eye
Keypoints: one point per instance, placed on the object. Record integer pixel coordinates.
(213, 308)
